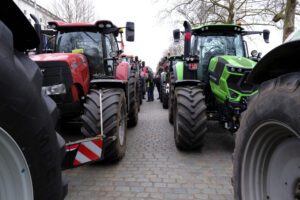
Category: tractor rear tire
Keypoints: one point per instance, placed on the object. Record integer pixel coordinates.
(171, 98)
(190, 121)
(31, 152)
(114, 121)
(133, 115)
(266, 156)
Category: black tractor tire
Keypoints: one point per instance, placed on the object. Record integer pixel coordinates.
(114, 120)
(141, 91)
(29, 117)
(266, 156)
(171, 98)
(133, 115)
(165, 100)
(190, 121)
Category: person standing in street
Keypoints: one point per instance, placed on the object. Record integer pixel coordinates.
(143, 79)
(157, 83)
(150, 85)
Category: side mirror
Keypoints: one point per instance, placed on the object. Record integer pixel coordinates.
(130, 31)
(254, 53)
(176, 35)
(266, 35)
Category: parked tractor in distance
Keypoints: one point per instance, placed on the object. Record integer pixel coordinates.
(211, 81)
(165, 85)
(267, 151)
(134, 82)
(90, 86)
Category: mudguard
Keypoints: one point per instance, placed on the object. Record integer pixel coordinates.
(109, 83)
(123, 71)
(187, 82)
(281, 60)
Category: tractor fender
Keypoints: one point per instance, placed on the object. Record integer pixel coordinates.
(187, 82)
(281, 60)
(108, 83)
(123, 71)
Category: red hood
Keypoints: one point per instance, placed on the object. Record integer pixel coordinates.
(67, 57)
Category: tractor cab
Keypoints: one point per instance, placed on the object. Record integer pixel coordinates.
(98, 42)
(216, 40)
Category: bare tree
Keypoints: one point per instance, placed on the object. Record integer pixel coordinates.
(279, 13)
(221, 11)
(286, 12)
(174, 49)
(74, 10)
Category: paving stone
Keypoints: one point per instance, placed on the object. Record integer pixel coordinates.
(153, 168)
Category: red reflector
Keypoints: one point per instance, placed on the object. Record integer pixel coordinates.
(187, 36)
(193, 66)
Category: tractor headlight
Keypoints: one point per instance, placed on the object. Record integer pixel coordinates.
(235, 69)
(54, 89)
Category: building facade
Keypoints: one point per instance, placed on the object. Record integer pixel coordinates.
(31, 7)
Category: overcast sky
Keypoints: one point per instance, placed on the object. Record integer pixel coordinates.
(152, 35)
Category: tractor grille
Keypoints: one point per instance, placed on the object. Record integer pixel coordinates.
(238, 83)
(57, 72)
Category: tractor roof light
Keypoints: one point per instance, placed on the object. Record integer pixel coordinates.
(52, 26)
(104, 24)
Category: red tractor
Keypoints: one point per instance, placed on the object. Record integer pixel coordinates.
(84, 76)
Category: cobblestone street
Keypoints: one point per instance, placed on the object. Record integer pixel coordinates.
(154, 169)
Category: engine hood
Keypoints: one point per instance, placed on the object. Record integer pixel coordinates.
(238, 61)
(70, 58)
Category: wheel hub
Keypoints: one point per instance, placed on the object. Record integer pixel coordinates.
(271, 164)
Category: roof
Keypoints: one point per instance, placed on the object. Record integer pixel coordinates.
(100, 25)
(217, 28)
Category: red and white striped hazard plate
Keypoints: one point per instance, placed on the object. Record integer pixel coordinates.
(87, 151)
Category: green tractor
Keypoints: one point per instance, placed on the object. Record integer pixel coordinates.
(210, 80)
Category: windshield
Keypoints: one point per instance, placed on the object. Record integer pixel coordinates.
(206, 47)
(69, 41)
(91, 45)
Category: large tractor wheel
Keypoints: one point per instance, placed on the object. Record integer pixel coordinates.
(133, 101)
(267, 153)
(141, 91)
(190, 122)
(165, 100)
(114, 120)
(31, 152)
(171, 97)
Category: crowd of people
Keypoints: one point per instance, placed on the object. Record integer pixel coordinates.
(149, 80)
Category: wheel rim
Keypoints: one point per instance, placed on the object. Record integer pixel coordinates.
(271, 163)
(15, 178)
(122, 127)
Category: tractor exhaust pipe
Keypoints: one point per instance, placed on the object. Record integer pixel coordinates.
(38, 29)
(187, 38)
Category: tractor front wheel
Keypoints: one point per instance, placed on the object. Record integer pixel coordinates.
(190, 122)
(266, 157)
(114, 120)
